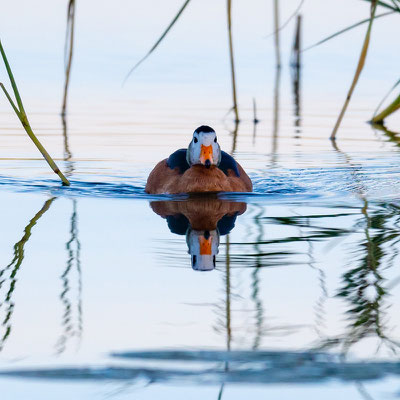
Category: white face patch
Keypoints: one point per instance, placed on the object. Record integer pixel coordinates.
(206, 139)
(203, 249)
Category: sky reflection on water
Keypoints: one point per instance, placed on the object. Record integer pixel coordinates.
(96, 287)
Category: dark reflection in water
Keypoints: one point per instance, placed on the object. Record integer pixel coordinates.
(8, 275)
(71, 327)
(372, 235)
(392, 136)
(202, 220)
(296, 75)
(363, 287)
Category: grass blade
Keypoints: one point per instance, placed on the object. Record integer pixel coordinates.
(24, 119)
(12, 80)
(359, 69)
(386, 96)
(390, 109)
(10, 100)
(364, 21)
(172, 23)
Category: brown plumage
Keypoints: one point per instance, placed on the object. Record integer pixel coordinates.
(197, 179)
(203, 213)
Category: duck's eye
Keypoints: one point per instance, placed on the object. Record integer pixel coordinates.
(215, 140)
(195, 139)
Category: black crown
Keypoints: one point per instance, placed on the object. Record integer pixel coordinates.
(204, 128)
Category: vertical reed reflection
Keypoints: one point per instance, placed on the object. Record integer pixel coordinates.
(68, 51)
(70, 327)
(255, 294)
(296, 75)
(221, 391)
(275, 127)
(14, 266)
(228, 297)
(363, 391)
(255, 121)
(391, 135)
(73, 247)
(67, 152)
(234, 134)
(363, 285)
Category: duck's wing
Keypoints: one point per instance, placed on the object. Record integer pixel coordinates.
(226, 224)
(178, 159)
(178, 224)
(228, 162)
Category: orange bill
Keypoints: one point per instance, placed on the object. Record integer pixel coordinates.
(206, 154)
(205, 245)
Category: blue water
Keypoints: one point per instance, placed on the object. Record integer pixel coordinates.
(287, 292)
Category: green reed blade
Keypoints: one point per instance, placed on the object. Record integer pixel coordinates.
(10, 100)
(12, 80)
(390, 109)
(364, 21)
(172, 23)
(21, 114)
(385, 97)
(359, 69)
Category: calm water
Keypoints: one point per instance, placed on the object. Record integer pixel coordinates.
(288, 292)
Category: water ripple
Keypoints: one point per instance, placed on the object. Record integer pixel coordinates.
(374, 182)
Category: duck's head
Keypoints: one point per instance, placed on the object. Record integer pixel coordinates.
(203, 248)
(204, 148)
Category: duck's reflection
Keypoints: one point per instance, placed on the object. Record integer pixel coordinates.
(203, 220)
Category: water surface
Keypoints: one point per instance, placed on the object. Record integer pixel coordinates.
(289, 291)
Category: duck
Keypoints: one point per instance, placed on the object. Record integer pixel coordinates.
(202, 167)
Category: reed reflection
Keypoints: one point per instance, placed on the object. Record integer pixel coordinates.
(202, 220)
(363, 286)
(392, 136)
(296, 75)
(12, 270)
(72, 326)
(72, 321)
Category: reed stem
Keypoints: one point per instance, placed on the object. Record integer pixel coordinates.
(359, 69)
(69, 48)
(235, 106)
(277, 41)
(21, 114)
